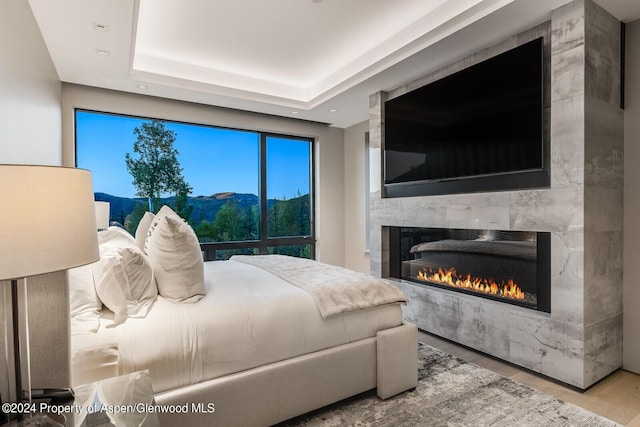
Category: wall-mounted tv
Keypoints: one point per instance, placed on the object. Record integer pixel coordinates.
(478, 129)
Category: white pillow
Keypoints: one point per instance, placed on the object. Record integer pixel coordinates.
(123, 277)
(175, 255)
(115, 237)
(143, 228)
(83, 300)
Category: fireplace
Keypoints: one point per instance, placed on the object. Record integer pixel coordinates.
(507, 266)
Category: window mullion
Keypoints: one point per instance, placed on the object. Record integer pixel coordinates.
(262, 248)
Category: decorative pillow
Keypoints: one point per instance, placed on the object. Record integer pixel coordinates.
(83, 300)
(143, 228)
(123, 277)
(115, 237)
(174, 251)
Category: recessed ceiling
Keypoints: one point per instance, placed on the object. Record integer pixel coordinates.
(319, 58)
(292, 50)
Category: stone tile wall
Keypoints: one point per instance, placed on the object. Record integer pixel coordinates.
(580, 341)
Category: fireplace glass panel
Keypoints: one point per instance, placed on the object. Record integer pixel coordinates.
(507, 266)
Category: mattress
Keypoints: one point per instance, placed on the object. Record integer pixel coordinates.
(248, 318)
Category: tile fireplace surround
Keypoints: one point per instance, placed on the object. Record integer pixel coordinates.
(580, 341)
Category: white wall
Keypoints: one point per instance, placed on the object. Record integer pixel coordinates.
(329, 173)
(354, 198)
(30, 127)
(631, 274)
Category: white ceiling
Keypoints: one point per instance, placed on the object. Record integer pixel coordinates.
(310, 59)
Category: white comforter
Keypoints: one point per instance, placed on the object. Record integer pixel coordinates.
(249, 318)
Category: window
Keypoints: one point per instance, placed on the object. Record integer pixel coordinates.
(243, 192)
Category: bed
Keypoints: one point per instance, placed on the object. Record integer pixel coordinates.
(252, 341)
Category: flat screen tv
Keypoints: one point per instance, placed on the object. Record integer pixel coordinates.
(479, 129)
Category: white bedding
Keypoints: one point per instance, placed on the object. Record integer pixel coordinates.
(248, 318)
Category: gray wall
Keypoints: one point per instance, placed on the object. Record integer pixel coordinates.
(30, 127)
(631, 340)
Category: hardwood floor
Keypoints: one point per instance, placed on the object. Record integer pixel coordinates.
(616, 397)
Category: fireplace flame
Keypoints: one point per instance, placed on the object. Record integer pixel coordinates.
(450, 277)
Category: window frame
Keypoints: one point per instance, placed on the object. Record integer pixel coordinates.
(210, 249)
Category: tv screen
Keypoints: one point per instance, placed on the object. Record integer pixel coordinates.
(482, 121)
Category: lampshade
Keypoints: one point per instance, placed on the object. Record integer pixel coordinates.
(102, 215)
(47, 220)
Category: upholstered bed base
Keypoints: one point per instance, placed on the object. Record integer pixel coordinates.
(279, 391)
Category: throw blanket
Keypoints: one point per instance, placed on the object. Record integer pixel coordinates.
(334, 289)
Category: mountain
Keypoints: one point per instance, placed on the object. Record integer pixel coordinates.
(119, 207)
(204, 207)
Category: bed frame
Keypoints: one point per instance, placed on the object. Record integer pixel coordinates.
(273, 393)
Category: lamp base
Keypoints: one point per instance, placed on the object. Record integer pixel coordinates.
(16, 340)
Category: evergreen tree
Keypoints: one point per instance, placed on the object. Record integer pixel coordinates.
(250, 227)
(133, 219)
(204, 231)
(182, 208)
(228, 225)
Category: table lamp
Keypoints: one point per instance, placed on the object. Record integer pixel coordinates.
(102, 215)
(47, 224)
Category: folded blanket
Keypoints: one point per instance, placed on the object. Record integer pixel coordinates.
(334, 289)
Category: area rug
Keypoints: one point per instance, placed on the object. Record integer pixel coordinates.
(454, 393)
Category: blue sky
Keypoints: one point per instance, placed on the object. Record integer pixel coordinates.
(214, 160)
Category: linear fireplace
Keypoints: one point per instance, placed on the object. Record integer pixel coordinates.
(507, 266)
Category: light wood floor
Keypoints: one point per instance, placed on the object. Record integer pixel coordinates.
(616, 397)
